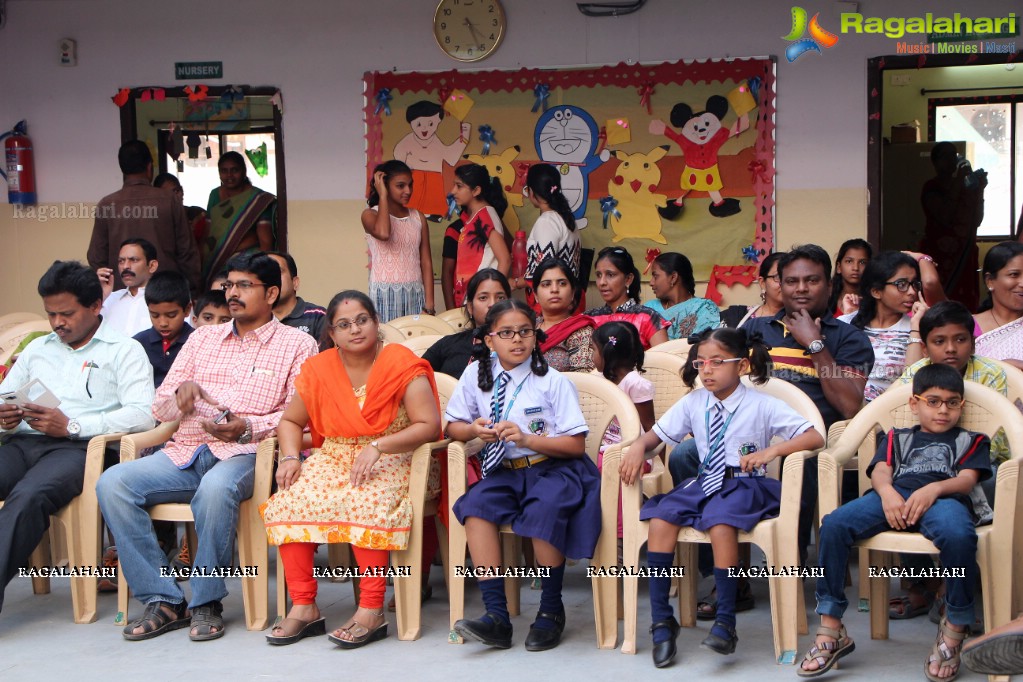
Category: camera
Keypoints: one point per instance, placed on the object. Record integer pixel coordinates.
(971, 178)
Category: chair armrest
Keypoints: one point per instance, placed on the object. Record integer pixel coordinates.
(836, 431)
(263, 480)
(792, 484)
(632, 495)
(134, 443)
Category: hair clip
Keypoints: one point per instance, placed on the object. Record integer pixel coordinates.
(694, 339)
(554, 188)
(612, 340)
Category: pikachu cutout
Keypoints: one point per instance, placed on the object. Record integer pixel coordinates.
(634, 186)
(500, 166)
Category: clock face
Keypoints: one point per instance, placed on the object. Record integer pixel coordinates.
(469, 30)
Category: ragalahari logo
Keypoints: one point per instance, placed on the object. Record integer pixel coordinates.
(819, 37)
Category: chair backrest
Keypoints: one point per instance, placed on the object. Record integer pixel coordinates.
(419, 325)
(455, 317)
(392, 334)
(984, 411)
(10, 319)
(420, 344)
(678, 347)
(12, 337)
(446, 386)
(794, 398)
(1015, 381)
(664, 371)
(601, 401)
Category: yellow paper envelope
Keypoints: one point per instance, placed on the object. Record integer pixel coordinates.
(458, 104)
(741, 99)
(618, 131)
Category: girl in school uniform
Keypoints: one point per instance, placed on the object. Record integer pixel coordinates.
(536, 475)
(733, 427)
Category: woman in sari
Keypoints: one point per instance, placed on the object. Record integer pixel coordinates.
(241, 217)
(367, 406)
(1001, 316)
(674, 287)
(567, 344)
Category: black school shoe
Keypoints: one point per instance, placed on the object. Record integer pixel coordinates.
(542, 639)
(720, 644)
(664, 652)
(488, 630)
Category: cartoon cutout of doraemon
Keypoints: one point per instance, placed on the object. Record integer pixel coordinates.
(702, 135)
(566, 137)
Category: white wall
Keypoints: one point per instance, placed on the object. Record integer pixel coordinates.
(317, 51)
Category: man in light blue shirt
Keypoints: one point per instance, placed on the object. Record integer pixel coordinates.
(104, 383)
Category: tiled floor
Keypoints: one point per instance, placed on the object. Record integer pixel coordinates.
(39, 641)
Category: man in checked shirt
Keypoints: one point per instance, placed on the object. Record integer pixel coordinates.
(245, 368)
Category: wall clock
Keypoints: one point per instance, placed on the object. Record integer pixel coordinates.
(469, 30)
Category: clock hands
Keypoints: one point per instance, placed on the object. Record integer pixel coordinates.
(477, 36)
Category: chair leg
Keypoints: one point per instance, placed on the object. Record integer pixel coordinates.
(686, 555)
(123, 593)
(864, 579)
(39, 558)
(456, 584)
(407, 590)
(442, 547)
(282, 590)
(252, 552)
(339, 555)
(83, 589)
(511, 553)
(605, 590)
(879, 595)
(630, 589)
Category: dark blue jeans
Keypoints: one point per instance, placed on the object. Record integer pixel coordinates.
(948, 524)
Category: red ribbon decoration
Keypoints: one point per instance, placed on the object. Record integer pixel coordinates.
(645, 91)
(729, 275)
(651, 255)
(758, 170)
(159, 94)
(198, 94)
(443, 93)
(121, 98)
(521, 168)
(601, 140)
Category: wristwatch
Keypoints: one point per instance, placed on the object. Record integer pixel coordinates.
(73, 428)
(816, 346)
(246, 436)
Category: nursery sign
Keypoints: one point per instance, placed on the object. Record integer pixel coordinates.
(186, 71)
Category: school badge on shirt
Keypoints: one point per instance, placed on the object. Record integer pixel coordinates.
(538, 427)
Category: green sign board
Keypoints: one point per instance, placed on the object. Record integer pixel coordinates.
(187, 71)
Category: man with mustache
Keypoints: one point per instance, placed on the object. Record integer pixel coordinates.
(125, 310)
(104, 383)
(228, 387)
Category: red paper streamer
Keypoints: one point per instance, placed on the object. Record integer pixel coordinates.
(729, 275)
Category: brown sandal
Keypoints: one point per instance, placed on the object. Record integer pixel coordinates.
(360, 634)
(947, 657)
(827, 653)
(156, 621)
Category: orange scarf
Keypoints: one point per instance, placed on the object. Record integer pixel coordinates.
(330, 398)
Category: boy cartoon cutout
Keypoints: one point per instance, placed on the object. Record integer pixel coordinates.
(423, 152)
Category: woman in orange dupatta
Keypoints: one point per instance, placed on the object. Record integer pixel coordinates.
(368, 407)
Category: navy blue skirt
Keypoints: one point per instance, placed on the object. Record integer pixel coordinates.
(557, 501)
(740, 503)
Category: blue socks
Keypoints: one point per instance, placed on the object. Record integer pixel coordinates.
(550, 597)
(726, 588)
(494, 599)
(660, 606)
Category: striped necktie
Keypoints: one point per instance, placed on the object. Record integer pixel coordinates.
(714, 467)
(493, 453)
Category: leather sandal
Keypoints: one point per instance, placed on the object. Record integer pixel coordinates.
(155, 621)
(664, 652)
(943, 654)
(707, 607)
(204, 619)
(826, 654)
(359, 634)
(304, 629)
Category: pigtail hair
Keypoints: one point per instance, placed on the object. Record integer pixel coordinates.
(690, 373)
(560, 204)
(539, 364)
(759, 358)
(493, 193)
(481, 353)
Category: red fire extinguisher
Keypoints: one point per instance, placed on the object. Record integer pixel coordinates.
(20, 164)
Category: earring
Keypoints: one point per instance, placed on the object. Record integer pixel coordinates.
(763, 296)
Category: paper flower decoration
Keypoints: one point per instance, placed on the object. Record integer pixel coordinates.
(749, 254)
(383, 100)
(452, 206)
(197, 94)
(232, 94)
(158, 94)
(651, 256)
(609, 207)
(121, 98)
(541, 91)
(645, 91)
(487, 138)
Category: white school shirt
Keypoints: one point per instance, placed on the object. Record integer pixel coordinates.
(756, 419)
(544, 406)
(126, 313)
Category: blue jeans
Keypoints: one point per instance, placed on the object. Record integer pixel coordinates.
(213, 487)
(948, 524)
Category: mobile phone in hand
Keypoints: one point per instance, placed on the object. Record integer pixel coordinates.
(221, 417)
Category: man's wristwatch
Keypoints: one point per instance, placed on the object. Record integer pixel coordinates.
(816, 346)
(73, 428)
(246, 436)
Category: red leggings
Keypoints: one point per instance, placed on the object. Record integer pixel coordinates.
(298, 571)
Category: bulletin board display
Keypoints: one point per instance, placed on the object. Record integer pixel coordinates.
(676, 156)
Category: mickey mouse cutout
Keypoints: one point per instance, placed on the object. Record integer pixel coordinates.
(702, 135)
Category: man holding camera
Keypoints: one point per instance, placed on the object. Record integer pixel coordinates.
(953, 203)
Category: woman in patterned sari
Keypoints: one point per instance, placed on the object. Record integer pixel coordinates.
(368, 406)
(1001, 316)
(241, 217)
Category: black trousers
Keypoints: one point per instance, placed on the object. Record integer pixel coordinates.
(39, 476)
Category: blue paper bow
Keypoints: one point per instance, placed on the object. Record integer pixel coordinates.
(383, 101)
(750, 255)
(486, 137)
(231, 94)
(608, 206)
(452, 206)
(754, 87)
(541, 91)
